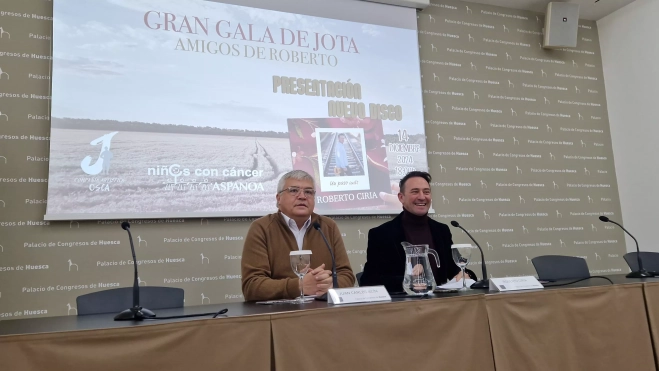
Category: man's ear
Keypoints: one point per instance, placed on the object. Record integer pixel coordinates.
(400, 197)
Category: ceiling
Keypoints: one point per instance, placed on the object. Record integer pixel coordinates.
(588, 9)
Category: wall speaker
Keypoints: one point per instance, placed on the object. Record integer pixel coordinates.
(561, 25)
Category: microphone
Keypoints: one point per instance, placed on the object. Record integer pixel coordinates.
(641, 273)
(485, 282)
(335, 281)
(136, 313)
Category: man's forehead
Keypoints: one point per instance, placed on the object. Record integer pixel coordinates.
(418, 188)
(417, 182)
(298, 183)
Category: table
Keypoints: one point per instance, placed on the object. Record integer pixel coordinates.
(589, 325)
(590, 328)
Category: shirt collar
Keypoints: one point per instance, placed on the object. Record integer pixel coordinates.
(291, 223)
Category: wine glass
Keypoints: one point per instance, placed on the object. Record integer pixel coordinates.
(461, 255)
(301, 262)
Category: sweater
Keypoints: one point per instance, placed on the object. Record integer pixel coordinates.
(266, 269)
(417, 232)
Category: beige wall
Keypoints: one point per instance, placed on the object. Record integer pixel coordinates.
(526, 129)
(471, 63)
(629, 56)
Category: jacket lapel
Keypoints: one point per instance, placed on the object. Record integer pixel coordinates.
(397, 234)
(436, 232)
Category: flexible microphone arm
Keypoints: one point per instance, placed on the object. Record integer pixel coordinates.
(335, 280)
(136, 313)
(136, 284)
(484, 283)
(641, 273)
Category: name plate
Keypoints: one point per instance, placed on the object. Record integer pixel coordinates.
(515, 283)
(353, 295)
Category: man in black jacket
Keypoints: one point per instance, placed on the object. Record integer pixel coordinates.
(385, 257)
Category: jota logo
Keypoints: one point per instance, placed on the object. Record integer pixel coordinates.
(102, 164)
(3, 33)
(3, 73)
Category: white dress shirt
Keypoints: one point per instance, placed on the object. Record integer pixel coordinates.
(297, 232)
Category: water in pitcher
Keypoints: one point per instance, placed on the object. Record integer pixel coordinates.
(418, 279)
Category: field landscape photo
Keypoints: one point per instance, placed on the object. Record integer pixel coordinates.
(136, 181)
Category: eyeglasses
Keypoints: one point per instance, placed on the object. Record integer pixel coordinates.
(294, 191)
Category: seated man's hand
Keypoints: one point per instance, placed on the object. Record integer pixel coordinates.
(323, 281)
(417, 270)
(309, 281)
(317, 281)
(419, 280)
(459, 276)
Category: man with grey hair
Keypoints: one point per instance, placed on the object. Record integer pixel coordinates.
(266, 268)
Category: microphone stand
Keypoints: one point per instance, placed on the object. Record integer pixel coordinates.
(335, 280)
(136, 313)
(484, 283)
(641, 272)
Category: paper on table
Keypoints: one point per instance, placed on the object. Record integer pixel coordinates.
(284, 301)
(452, 284)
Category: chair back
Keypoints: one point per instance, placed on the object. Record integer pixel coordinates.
(559, 267)
(650, 260)
(116, 300)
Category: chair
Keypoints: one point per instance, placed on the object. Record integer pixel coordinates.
(650, 261)
(116, 300)
(359, 278)
(559, 267)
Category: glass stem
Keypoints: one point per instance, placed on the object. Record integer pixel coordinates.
(464, 279)
(301, 288)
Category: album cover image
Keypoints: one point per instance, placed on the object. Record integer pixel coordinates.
(347, 157)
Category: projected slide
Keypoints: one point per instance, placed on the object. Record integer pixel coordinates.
(165, 109)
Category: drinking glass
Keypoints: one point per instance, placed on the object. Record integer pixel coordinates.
(461, 255)
(301, 262)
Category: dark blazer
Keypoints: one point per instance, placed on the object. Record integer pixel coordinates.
(385, 257)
